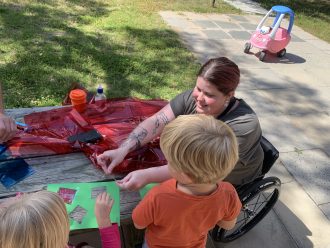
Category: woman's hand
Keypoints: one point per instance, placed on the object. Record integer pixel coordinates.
(134, 180)
(8, 128)
(146, 131)
(102, 209)
(140, 178)
(110, 159)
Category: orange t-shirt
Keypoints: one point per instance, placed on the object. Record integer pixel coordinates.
(176, 219)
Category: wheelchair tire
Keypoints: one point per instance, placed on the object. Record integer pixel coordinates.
(257, 200)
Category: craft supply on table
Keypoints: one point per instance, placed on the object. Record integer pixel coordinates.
(78, 99)
(90, 136)
(14, 171)
(80, 201)
(100, 94)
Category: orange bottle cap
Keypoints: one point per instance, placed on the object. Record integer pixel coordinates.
(78, 96)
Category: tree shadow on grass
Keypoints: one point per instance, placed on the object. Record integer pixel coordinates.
(44, 49)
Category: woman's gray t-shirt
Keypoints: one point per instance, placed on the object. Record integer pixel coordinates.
(245, 124)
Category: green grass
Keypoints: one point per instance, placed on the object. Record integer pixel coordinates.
(311, 15)
(124, 45)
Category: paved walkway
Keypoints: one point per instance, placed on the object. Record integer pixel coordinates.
(291, 96)
(247, 6)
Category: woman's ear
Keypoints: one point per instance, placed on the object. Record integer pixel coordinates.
(231, 94)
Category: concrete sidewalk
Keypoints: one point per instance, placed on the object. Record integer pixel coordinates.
(291, 96)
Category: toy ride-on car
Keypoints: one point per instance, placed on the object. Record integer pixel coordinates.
(272, 39)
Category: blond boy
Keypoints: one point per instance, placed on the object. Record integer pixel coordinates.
(200, 151)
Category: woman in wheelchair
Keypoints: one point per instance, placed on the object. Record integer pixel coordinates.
(213, 94)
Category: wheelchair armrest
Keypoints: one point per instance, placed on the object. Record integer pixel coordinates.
(271, 154)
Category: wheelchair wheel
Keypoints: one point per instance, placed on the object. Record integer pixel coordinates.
(257, 200)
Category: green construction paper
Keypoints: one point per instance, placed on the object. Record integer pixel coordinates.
(146, 188)
(84, 200)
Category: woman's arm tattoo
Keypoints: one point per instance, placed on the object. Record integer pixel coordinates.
(161, 118)
(137, 137)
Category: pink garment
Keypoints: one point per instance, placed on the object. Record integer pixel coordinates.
(110, 236)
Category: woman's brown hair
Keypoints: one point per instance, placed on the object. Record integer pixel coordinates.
(222, 73)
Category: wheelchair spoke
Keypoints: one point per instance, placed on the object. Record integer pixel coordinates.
(256, 203)
(240, 221)
(261, 205)
(265, 201)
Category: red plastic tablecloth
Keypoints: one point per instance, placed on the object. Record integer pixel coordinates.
(114, 119)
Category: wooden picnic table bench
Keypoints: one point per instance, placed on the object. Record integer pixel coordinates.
(73, 167)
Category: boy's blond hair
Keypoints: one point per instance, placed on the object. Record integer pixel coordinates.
(203, 148)
(34, 220)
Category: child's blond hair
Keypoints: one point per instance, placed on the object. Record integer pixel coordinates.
(202, 147)
(36, 220)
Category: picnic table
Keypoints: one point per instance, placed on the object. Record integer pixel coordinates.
(73, 167)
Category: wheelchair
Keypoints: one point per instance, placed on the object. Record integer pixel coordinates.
(258, 198)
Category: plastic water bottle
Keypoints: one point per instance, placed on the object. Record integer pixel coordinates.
(100, 94)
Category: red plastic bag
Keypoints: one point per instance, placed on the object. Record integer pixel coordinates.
(114, 119)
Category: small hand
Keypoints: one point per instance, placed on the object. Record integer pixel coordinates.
(110, 159)
(8, 128)
(102, 209)
(134, 180)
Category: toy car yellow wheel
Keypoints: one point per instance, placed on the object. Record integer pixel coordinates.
(262, 56)
(247, 47)
(281, 53)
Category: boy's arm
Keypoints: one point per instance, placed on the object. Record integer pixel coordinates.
(139, 178)
(139, 227)
(234, 207)
(227, 224)
(144, 212)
